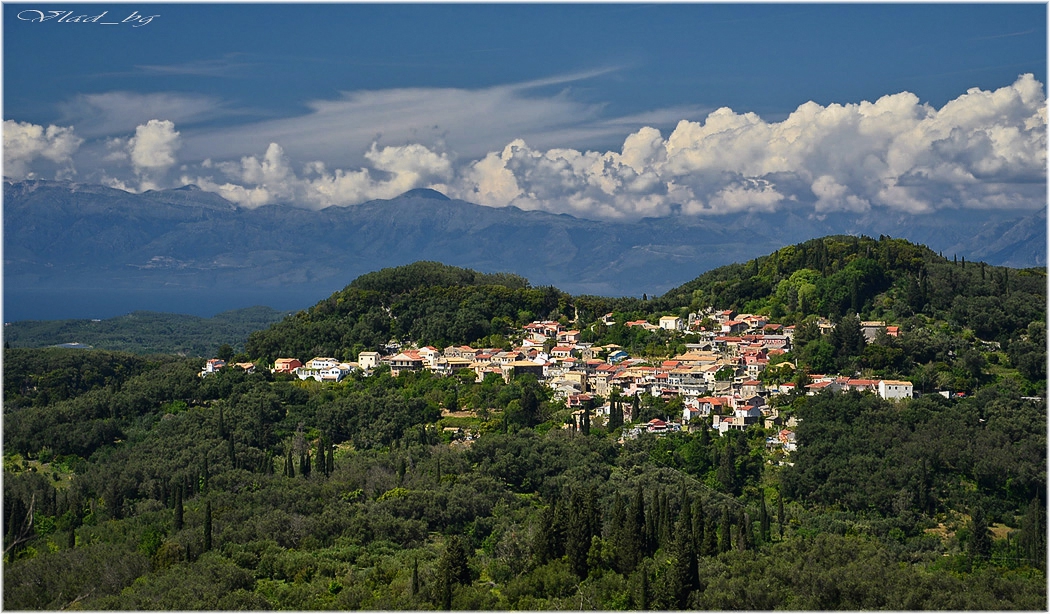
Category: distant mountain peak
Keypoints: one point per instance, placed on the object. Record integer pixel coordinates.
(425, 193)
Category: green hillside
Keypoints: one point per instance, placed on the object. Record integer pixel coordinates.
(427, 302)
(132, 482)
(883, 279)
(145, 332)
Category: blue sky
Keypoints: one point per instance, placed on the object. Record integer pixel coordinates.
(605, 111)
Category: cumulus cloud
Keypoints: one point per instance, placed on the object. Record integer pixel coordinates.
(152, 151)
(984, 149)
(25, 142)
(253, 182)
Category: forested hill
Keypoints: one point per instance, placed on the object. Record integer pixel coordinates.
(879, 279)
(884, 279)
(427, 302)
(147, 332)
(134, 482)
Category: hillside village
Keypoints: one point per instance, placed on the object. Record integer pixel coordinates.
(722, 379)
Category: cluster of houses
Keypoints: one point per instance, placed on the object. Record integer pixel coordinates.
(212, 365)
(716, 377)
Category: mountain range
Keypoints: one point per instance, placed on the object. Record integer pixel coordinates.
(78, 250)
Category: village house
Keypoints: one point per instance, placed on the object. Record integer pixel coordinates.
(871, 329)
(670, 323)
(569, 337)
(212, 366)
(520, 367)
(446, 366)
(894, 389)
(368, 360)
(409, 360)
(324, 369)
(561, 351)
(733, 326)
(286, 365)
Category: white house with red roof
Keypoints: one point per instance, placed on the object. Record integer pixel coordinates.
(409, 360)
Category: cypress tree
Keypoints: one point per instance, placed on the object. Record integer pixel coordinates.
(178, 508)
(578, 535)
(15, 520)
(619, 534)
(698, 525)
(635, 530)
(330, 459)
(780, 513)
(665, 520)
(747, 531)
(231, 451)
(980, 546)
(453, 569)
(634, 408)
(763, 519)
(710, 543)
(725, 541)
(684, 575)
(726, 473)
(205, 475)
(1032, 541)
(652, 532)
(207, 526)
(415, 576)
(643, 592)
(615, 414)
(319, 460)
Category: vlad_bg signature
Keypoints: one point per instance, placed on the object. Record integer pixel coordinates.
(35, 16)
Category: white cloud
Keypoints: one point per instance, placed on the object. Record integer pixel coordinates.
(153, 147)
(25, 142)
(115, 113)
(254, 182)
(505, 146)
(470, 122)
(983, 149)
(152, 152)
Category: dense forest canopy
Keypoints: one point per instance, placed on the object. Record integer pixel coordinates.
(144, 332)
(131, 482)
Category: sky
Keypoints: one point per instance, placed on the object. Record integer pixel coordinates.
(602, 111)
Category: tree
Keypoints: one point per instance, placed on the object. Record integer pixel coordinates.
(452, 569)
(178, 508)
(1032, 541)
(725, 531)
(980, 545)
(780, 513)
(225, 352)
(582, 526)
(320, 461)
(207, 526)
(763, 519)
(615, 411)
(684, 574)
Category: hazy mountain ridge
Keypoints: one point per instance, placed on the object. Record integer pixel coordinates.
(198, 252)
